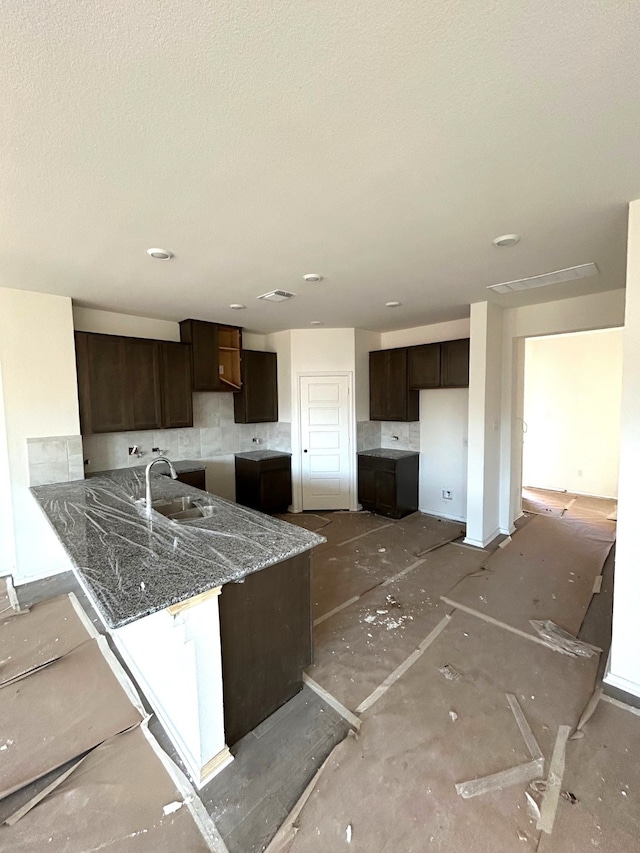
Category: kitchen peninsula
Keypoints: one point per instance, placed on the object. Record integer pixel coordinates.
(210, 608)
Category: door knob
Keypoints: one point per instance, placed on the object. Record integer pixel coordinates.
(305, 451)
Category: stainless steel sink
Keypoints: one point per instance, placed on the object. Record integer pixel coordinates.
(182, 509)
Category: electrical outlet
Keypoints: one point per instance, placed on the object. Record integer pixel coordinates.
(579, 472)
(447, 495)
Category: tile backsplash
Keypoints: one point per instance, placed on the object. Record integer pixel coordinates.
(402, 435)
(214, 433)
(55, 459)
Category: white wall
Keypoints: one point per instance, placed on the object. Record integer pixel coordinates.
(365, 342)
(433, 333)
(579, 314)
(444, 415)
(37, 359)
(572, 412)
(624, 665)
(111, 323)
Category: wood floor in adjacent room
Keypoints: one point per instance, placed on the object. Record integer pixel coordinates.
(428, 674)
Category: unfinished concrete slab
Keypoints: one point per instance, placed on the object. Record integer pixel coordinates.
(392, 787)
(120, 798)
(547, 571)
(47, 632)
(358, 647)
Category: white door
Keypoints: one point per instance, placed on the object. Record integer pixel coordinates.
(326, 451)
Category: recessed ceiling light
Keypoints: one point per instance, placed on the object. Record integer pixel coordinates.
(569, 274)
(392, 304)
(506, 240)
(315, 323)
(312, 277)
(237, 306)
(160, 254)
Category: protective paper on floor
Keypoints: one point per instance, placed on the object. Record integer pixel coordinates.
(337, 526)
(119, 799)
(59, 712)
(357, 648)
(344, 571)
(394, 784)
(48, 631)
(603, 773)
(546, 572)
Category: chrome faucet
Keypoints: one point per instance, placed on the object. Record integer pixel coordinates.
(147, 479)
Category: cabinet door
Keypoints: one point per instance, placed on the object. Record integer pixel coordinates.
(367, 483)
(386, 502)
(389, 396)
(275, 489)
(109, 381)
(215, 350)
(197, 479)
(144, 373)
(454, 371)
(177, 396)
(203, 338)
(424, 366)
(258, 400)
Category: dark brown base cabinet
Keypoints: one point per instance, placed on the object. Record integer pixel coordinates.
(266, 638)
(197, 479)
(388, 486)
(263, 480)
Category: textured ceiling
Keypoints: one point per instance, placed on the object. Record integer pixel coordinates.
(382, 143)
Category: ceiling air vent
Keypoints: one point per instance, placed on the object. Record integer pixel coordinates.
(571, 273)
(276, 296)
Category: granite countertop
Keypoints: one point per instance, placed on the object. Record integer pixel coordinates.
(182, 466)
(259, 455)
(388, 453)
(132, 566)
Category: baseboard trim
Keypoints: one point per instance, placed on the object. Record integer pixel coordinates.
(617, 682)
(482, 543)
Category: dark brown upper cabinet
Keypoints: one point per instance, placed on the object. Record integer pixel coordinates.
(440, 365)
(454, 370)
(390, 398)
(177, 396)
(424, 366)
(132, 383)
(257, 403)
(216, 351)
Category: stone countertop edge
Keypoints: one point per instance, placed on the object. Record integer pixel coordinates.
(132, 566)
(388, 453)
(260, 455)
(182, 466)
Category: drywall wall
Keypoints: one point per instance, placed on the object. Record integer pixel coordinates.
(7, 539)
(40, 399)
(581, 313)
(485, 395)
(280, 343)
(624, 664)
(111, 323)
(444, 414)
(365, 342)
(572, 394)
(450, 331)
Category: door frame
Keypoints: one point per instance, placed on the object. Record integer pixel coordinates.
(296, 437)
